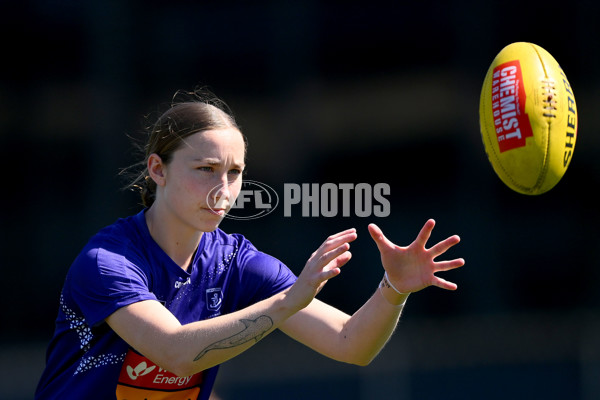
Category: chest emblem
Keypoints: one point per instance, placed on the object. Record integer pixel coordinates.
(214, 299)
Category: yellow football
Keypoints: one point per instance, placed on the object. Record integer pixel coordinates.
(528, 118)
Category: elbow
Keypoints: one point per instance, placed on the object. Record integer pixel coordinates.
(359, 359)
(182, 369)
(363, 362)
(357, 354)
(177, 365)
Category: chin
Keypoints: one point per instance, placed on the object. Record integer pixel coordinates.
(209, 226)
(210, 229)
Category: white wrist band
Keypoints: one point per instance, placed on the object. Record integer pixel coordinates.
(389, 302)
(387, 278)
(385, 282)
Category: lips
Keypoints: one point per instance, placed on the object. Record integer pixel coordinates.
(216, 211)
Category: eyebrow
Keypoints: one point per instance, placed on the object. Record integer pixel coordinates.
(216, 161)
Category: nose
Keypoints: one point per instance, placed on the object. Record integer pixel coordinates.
(221, 193)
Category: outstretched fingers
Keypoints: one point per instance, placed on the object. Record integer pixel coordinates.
(333, 253)
(425, 233)
(382, 242)
(440, 248)
(334, 241)
(443, 284)
(448, 265)
(443, 246)
(414, 267)
(323, 264)
(334, 259)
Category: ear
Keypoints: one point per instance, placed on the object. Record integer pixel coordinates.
(157, 169)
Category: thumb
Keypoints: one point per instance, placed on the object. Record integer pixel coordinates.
(380, 240)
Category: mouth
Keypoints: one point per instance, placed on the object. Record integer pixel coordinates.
(216, 211)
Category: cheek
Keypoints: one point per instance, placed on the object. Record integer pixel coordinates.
(187, 190)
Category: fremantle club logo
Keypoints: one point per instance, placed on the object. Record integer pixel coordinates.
(214, 299)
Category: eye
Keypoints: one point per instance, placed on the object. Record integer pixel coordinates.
(235, 171)
(205, 169)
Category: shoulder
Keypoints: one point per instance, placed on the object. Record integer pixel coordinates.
(253, 267)
(251, 275)
(111, 271)
(237, 246)
(113, 247)
(124, 231)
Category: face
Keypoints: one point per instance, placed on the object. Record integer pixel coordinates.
(201, 182)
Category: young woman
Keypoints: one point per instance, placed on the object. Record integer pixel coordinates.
(156, 301)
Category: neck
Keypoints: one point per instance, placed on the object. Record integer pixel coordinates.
(179, 243)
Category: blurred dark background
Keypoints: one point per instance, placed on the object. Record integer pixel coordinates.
(326, 91)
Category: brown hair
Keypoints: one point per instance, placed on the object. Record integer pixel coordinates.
(188, 113)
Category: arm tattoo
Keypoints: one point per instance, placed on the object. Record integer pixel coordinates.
(254, 329)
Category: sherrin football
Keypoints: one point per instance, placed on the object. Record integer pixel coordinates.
(528, 118)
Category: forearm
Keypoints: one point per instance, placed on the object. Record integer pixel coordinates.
(369, 329)
(226, 337)
(355, 339)
(186, 349)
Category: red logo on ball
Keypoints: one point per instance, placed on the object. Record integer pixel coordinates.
(508, 106)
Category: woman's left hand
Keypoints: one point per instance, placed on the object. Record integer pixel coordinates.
(413, 268)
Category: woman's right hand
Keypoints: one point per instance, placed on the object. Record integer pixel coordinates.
(323, 264)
